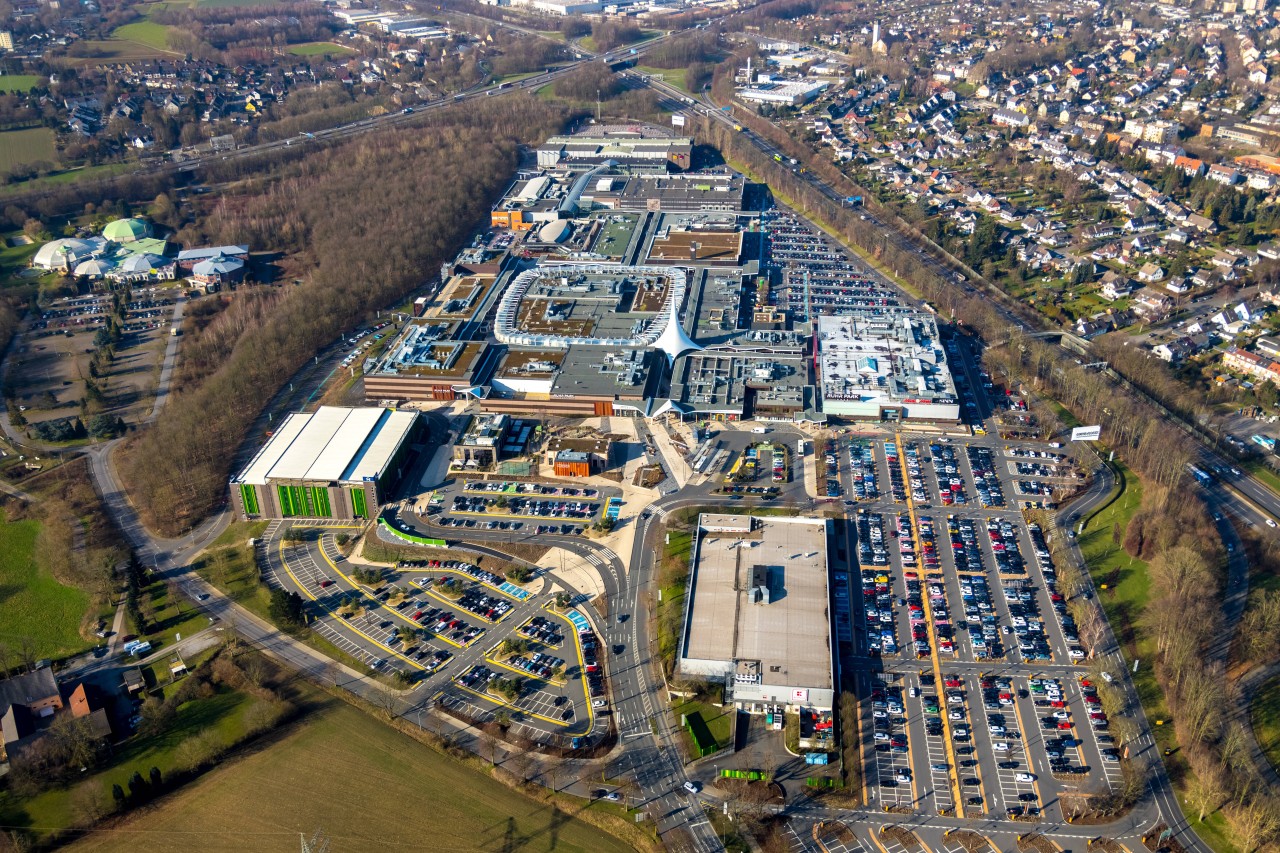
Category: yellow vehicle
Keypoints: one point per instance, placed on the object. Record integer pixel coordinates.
(737, 127)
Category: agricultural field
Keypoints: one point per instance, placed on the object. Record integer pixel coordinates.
(18, 82)
(37, 608)
(26, 146)
(379, 765)
(319, 48)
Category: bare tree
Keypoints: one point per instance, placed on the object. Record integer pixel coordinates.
(385, 700)
(490, 745)
(1255, 823)
(174, 594)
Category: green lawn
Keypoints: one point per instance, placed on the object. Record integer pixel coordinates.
(18, 82)
(26, 146)
(67, 176)
(368, 786)
(1126, 596)
(220, 717)
(116, 50)
(719, 721)
(14, 259)
(1265, 475)
(319, 48)
(1265, 710)
(169, 617)
(147, 33)
(670, 76)
(37, 609)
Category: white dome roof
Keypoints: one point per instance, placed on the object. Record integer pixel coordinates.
(59, 253)
(140, 263)
(554, 231)
(94, 268)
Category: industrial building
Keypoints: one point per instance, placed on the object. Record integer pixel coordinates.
(756, 612)
(885, 366)
(787, 93)
(638, 148)
(336, 462)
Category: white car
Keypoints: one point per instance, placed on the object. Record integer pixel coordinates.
(598, 703)
(1024, 777)
(691, 787)
(1271, 522)
(1000, 746)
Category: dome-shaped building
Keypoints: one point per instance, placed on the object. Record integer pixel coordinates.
(555, 231)
(94, 268)
(127, 230)
(64, 254)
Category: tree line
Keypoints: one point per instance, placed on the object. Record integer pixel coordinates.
(370, 220)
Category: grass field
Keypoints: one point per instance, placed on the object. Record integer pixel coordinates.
(18, 82)
(116, 50)
(719, 721)
(670, 76)
(221, 717)
(319, 48)
(1265, 710)
(147, 33)
(13, 259)
(424, 801)
(36, 607)
(26, 146)
(1124, 600)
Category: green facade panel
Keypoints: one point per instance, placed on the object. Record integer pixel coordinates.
(249, 494)
(320, 502)
(359, 505)
(285, 499)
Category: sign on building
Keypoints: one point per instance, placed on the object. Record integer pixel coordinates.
(800, 694)
(677, 120)
(1087, 433)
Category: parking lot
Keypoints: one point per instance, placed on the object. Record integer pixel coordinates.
(452, 628)
(951, 574)
(518, 506)
(815, 276)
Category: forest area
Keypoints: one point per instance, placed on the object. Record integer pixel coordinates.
(373, 219)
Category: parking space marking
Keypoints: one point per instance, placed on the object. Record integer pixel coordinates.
(284, 561)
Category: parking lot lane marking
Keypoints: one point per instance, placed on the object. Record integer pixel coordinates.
(582, 668)
(346, 623)
(1026, 747)
(929, 628)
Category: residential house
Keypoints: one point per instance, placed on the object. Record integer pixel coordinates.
(1224, 174)
(1115, 286)
(26, 703)
(1150, 272)
(1151, 305)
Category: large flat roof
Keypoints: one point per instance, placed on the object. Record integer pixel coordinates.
(790, 635)
(332, 444)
